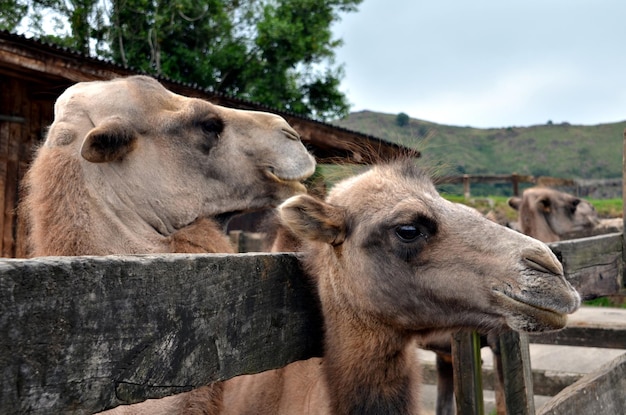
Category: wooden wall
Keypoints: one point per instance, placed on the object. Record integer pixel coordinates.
(24, 115)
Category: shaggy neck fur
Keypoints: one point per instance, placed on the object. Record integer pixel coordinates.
(369, 368)
(61, 219)
(373, 373)
(57, 213)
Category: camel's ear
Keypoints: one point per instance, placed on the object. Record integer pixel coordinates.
(515, 202)
(109, 141)
(312, 219)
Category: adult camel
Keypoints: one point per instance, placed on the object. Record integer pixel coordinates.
(129, 167)
(550, 216)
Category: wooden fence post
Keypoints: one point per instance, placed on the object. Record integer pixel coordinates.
(518, 379)
(468, 385)
(515, 180)
(466, 186)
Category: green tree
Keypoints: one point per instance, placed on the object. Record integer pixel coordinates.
(276, 52)
(12, 13)
(402, 119)
(72, 23)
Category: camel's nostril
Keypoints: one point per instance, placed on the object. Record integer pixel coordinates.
(291, 134)
(547, 267)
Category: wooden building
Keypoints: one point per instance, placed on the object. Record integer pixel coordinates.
(33, 74)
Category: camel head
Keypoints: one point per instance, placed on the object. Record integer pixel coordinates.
(549, 215)
(151, 156)
(387, 248)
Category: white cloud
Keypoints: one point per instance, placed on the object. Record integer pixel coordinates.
(509, 98)
(487, 63)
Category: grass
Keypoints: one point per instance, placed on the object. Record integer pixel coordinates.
(557, 150)
(618, 301)
(608, 208)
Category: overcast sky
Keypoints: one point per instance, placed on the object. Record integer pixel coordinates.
(487, 63)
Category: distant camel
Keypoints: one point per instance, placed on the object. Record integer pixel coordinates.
(129, 167)
(547, 214)
(394, 263)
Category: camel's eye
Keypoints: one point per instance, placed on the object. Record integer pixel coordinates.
(211, 129)
(408, 233)
(212, 126)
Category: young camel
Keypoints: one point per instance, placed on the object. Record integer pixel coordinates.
(394, 263)
(130, 167)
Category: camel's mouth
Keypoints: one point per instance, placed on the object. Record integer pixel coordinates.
(294, 183)
(529, 313)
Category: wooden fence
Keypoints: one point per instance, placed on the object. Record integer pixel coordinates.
(580, 187)
(83, 334)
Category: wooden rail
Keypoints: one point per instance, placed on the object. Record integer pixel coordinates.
(83, 334)
(515, 179)
(601, 392)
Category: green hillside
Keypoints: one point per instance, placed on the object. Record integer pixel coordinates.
(558, 150)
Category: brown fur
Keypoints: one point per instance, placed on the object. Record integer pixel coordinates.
(202, 236)
(375, 307)
(550, 216)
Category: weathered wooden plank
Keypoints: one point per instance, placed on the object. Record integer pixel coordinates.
(82, 334)
(518, 379)
(10, 206)
(592, 265)
(545, 382)
(467, 373)
(589, 327)
(599, 392)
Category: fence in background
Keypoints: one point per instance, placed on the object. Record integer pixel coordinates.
(595, 188)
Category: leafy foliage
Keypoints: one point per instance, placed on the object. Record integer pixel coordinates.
(402, 119)
(276, 52)
(11, 13)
